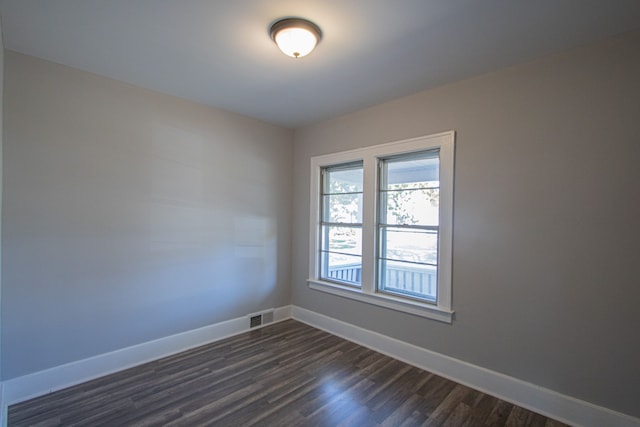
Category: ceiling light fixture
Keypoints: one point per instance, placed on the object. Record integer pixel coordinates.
(295, 37)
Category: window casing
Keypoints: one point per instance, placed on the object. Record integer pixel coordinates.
(381, 225)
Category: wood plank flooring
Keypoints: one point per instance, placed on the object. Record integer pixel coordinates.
(285, 374)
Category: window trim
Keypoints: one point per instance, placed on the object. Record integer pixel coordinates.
(442, 310)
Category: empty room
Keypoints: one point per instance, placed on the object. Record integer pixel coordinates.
(320, 213)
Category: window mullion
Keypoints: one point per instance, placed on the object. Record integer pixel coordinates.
(369, 225)
(445, 227)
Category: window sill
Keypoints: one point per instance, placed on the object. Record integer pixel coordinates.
(387, 301)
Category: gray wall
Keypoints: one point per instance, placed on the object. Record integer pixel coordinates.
(1, 125)
(131, 215)
(546, 277)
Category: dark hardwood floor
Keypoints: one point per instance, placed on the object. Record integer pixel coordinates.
(285, 374)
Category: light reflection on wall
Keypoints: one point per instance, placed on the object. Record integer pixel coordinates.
(178, 215)
(256, 251)
(207, 234)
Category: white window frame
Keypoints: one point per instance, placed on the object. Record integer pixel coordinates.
(444, 142)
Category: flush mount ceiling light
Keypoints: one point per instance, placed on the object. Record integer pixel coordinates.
(295, 37)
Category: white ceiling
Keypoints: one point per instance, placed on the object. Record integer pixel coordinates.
(218, 52)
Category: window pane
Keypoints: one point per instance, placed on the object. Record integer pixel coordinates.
(410, 207)
(340, 254)
(342, 240)
(409, 197)
(345, 208)
(414, 171)
(409, 245)
(419, 281)
(343, 179)
(341, 268)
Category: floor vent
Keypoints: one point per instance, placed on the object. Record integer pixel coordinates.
(255, 321)
(260, 319)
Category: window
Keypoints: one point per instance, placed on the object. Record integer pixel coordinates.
(381, 225)
(341, 224)
(408, 225)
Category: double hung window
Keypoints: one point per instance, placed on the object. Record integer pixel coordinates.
(408, 225)
(381, 225)
(341, 224)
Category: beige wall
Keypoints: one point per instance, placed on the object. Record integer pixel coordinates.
(546, 220)
(131, 215)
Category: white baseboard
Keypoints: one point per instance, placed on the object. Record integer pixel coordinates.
(282, 313)
(530, 396)
(39, 383)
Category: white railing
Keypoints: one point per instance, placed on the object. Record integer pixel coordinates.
(421, 281)
(350, 273)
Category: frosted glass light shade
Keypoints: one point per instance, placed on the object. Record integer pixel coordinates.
(295, 37)
(296, 42)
